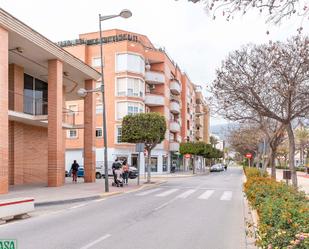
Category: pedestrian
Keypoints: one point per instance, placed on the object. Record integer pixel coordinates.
(74, 170)
(114, 167)
(125, 169)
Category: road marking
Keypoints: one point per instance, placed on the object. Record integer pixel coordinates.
(148, 191)
(96, 241)
(78, 206)
(168, 192)
(206, 194)
(186, 194)
(227, 196)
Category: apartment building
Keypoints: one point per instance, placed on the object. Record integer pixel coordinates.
(36, 78)
(138, 78)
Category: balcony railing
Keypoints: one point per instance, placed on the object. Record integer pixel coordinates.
(154, 77)
(174, 126)
(174, 145)
(175, 107)
(38, 107)
(32, 105)
(154, 99)
(175, 87)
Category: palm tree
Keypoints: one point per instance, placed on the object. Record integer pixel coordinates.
(213, 141)
(302, 141)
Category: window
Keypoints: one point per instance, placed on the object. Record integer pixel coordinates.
(128, 108)
(96, 62)
(154, 164)
(118, 135)
(98, 132)
(164, 163)
(72, 133)
(35, 96)
(99, 108)
(132, 87)
(130, 62)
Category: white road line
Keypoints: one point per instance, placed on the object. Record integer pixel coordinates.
(186, 194)
(78, 206)
(168, 192)
(96, 241)
(148, 191)
(206, 194)
(227, 196)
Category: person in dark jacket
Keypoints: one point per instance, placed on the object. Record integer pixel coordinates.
(114, 167)
(74, 169)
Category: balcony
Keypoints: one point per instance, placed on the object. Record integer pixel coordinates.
(174, 146)
(153, 77)
(198, 109)
(154, 99)
(174, 126)
(175, 107)
(198, 134)
(175, 87)
(33, 111)
(198, 122)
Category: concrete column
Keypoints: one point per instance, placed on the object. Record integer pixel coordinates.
(89, 133)
(4, 105)
(55, 133)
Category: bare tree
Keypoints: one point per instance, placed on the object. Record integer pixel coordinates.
(275, 10)
(245, 139)
(271, 80)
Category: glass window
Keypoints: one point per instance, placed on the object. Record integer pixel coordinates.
(128, 108)
(35, 96)
(99, 109)
(28, 94)
(132, 87)
(72, 133)
(98, 132)
(164, 163)
(96, 62)
(119, 131)
(121, 110)
(154, 164)
(121, 86)
(130, 62)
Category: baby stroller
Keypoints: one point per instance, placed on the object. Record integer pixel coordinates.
(118, 180)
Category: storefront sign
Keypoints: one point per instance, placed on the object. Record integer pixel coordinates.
(108, 39)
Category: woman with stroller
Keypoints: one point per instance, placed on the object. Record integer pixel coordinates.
(125, 169)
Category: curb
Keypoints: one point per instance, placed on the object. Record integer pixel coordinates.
(251, 220)
(94, 197)
(67, 201)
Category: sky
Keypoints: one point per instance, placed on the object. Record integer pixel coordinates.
(191, 37)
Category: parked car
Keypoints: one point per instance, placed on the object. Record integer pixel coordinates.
(217, 168)
(80, 172)
(133, 172)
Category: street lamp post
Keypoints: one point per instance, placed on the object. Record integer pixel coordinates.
(82, 92)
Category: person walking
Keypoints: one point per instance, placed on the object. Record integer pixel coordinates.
(74, 170)
(125, 169)
(114, 167)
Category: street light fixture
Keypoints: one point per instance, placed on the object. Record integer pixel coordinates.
(83, 92)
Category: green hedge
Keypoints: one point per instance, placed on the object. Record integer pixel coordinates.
(283, 212)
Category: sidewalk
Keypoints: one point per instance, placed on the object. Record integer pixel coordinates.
(302, 178)
(72, 192)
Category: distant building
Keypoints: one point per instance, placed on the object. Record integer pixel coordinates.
(138, 78)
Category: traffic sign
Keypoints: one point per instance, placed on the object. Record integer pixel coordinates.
(187, 156)
(248, 155)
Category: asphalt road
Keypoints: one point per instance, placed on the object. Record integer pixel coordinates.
(203, 212)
